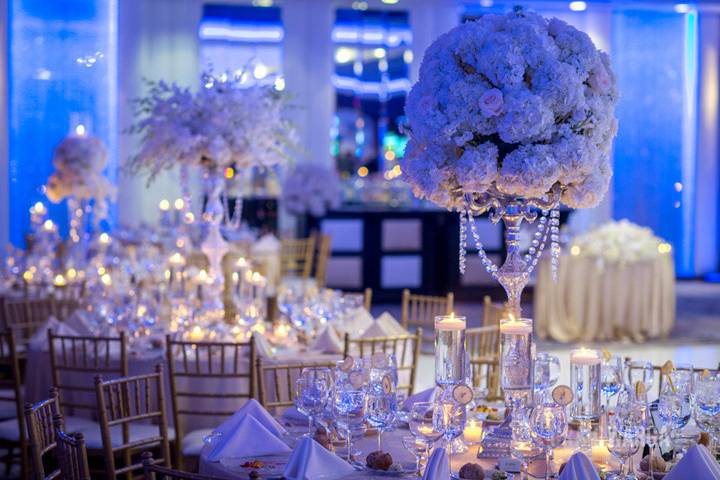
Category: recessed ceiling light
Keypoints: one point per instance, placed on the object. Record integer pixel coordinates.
(578, 6)
(682, 7)
(390, 2)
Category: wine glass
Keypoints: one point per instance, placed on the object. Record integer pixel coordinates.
(547, 373)
(640, 371)
(311, 396)
(422, 425)
(707, 407)
(382, 408)
(349, 410)
(449, 418)
(318, 373)
(522, 446)
(630, 423)
(622, 448)
(418, 448)
(657, 428)
(548, 427)
(676, 398)
(611, 377)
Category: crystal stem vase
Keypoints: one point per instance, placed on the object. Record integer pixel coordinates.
(214, 246)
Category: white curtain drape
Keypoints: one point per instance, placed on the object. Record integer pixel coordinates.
(158, 40)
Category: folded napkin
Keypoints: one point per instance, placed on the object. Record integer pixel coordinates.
(266, 244)
(252, 409)
(437, 466)
(312, 461)
(249, 439)
(79, 321)
(357, 320)
(328, 341)
(292, 414)
(579, 467)
(424, 396)
(262, 346)
(698, 463)
(390, 325)
(39, 340)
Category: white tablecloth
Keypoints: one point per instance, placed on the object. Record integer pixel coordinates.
(594, 300)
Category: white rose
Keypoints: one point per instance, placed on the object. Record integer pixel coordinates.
(491, 102)
(599, 80)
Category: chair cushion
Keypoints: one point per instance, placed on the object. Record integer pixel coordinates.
(193, 442)
(138, 431)
(9, 428)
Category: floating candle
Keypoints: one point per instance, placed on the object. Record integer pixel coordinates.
(59, 280)
(600, 455)
(473, 431)
(197, 333)
(585, 356)
(176, 260)
(513, 326)
(450, 322)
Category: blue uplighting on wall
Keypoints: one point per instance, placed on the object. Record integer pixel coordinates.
(63, 60)
(653, 56)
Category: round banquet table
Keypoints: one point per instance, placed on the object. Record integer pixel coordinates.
(594, 300)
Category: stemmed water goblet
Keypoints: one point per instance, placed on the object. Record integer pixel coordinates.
(382, 394)
(548, 427)
(449, 417)
(422, 425)
(640, 371)
(349, 411)
(677, 399)
(707, 407)
(611, 377)
(417, 448)
(628, 428)
(311, 397)
(657, 428)
(547, 373)
(523, 446)
(622, 448)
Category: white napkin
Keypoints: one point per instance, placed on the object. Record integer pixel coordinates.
(249, 439)
(437, 466)
(357, 320)
(262, 346)
(390, 325)
(312, 461)
(328, 341)
(579, 467)
(252, 409)
(39, 339)
(78, 321)
(698, 463)
(267, 244)
(292, 414)
(424, 396)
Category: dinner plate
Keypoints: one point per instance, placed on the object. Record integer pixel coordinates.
(396, 470)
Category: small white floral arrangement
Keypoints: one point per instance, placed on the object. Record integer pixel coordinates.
(225, 123)
(311, 189)
(620, 242)
(79, 161)
(516, 103)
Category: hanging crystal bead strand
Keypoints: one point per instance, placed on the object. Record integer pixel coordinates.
(486, 261)
(538, 244)
(555, 241)
(463, 238)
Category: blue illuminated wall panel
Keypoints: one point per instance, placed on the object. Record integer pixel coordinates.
(52, 75)
(653, 167)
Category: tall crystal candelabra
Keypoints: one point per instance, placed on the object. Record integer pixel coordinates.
(585, 381)
(449, 349)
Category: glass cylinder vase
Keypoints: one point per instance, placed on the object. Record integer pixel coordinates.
(449, 349)
(585, 382)
(517, 352)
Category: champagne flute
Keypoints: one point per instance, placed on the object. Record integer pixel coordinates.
(548, 426)
(311, 396)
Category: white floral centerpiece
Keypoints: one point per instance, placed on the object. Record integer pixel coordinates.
(620, 243)
(79, 161)
(514, 114)
(311, 189)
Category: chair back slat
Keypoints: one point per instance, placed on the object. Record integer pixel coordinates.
(152, 471)
(323, 257)
(296, 256)
(71, 453)
(123, 402)
(483, 346)
(229, 386)
(276, 382)
(367, 300)
(40, 425)
(25, 315)
(73, 358)
(419, 311)
(405, 348)
(492, 312)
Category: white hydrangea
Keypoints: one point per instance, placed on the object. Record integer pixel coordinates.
(514, 102)
(311, 190)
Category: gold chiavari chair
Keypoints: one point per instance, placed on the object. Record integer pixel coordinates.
(71, 453)
(322, 259)
(126, 406)
(276, 382)
(13, 436)
(483, 346)
(368, 298)
(419, 311)
(230, 365)
(40, 423)
(74, 360)
(296, 256)
(25, 315)
(492, 312)
(153, 472)
(406, 349)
